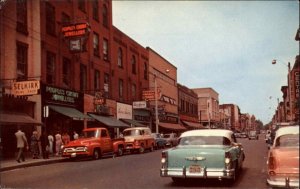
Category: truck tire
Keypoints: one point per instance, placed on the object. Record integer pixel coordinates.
(120, 151)
(96, 154)
(142, 149)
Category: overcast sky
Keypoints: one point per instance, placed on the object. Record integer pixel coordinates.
(226, 45)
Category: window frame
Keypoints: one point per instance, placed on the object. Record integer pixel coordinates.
(22, 60)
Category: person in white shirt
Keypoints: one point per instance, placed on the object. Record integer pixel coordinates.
(75, 136)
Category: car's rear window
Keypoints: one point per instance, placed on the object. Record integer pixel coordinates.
(204, 140)
(290, 140)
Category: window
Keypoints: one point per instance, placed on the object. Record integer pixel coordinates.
(106, 84)
(22, 60)
(105, 16)
(133, 65)
(50, 19)
(95, 10)
(65, 19)
(103, 133)
(22, 16)
(96, 44)
(145, 71)
(105, 49)
(120, 58)
(133, 91)
(50, 68)
(83, 77)
(97, 80)
(120, 88)
(66, 72)
(81, 5)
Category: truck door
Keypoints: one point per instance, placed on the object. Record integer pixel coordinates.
(106, 143)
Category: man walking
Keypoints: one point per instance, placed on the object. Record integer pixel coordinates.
(21, 144)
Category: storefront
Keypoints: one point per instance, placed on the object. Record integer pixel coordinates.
(62, 110)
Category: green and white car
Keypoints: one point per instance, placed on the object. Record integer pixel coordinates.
(209, 153)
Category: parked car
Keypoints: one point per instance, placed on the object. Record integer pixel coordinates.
(283, 158)
(171, 138)
(253, 135)
(138, 139)
(237, 135)
(160, 142)
(209, 153)
(95, 143)
(243, 135)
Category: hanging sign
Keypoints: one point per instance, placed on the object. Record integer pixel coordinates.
(24, 88)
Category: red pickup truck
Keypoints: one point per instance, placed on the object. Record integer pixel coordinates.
(95, 143)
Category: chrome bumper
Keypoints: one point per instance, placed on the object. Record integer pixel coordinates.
(284, 182)
(205, 173)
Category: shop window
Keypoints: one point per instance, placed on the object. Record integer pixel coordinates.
(22, 60)
(133, 65)
(50, 19)
(105, 16)
(83, 77)
(105, 49)
(120, 57)
(96, 44)
(95, 10)
(97, 80)
(67, 72)
(81, 5)
(22, 16)
(50, 68)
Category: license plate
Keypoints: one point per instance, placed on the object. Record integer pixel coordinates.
(195, 169)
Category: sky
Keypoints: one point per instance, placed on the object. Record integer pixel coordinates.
(226, 45)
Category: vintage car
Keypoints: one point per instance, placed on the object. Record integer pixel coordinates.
(209, 153)
(159, 141)
(283, 158)
(171, 139)
(253, 135)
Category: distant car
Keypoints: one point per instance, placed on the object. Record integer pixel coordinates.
(237, 135)
(243, 135)
(283, 158)
(253, 135)
(171, 139)
(160, 142)
(209, 153)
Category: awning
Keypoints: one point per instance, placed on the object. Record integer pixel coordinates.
(133, 123)
(194, 125)
(69, 112)
(172, 126)
(109, 121)
(12, 118)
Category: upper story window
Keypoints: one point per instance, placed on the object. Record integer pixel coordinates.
(67, 72)
(97, 80)
(22, 16)
(121, 89)
(96, 44)
(120, 58)
(133, 65)
(133, 91)
(50, 19)
(95, 10)
(83, 77)
(106, 84)
(105, 16)
(50, 67)
(105, 49)
(22, 60)
(145, 71)
(81, 5)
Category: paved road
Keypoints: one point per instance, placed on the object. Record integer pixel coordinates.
(138, 171)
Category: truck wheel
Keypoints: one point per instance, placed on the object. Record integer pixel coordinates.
(96, 154)
(142, 149)
(120, 151)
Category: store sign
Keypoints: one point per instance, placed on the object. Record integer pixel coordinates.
(24, 88)
(124, 111)
(139, 104)
(75, 30)
(99, 98)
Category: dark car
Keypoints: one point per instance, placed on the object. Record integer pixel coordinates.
(159, 141)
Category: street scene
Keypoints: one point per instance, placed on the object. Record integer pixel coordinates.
(149, 94)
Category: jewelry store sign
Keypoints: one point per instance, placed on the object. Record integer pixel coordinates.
(25, 88)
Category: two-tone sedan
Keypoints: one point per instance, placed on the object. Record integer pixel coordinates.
(209, 153)
(283, 158)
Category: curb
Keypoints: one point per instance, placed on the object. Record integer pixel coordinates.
(20, 165)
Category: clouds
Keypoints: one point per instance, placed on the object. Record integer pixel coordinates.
(226, 45)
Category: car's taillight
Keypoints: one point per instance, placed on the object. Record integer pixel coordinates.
(227, 157)
(271, 162)
(164, 159)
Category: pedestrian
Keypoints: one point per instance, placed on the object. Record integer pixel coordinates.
(66, 138)
(34, 147)
(45, 145)
(21, 144)
(51, 141)
(75, 136)
(58, 143)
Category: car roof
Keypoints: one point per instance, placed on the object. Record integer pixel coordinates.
(208, 132)
(287, 130)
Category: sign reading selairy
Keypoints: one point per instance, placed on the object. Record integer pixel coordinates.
(23, 88)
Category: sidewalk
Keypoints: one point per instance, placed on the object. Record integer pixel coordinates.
(11, 164)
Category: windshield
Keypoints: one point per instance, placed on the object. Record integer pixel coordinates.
(132, 133)
(204, 140)
(90, 134)
(290, 140)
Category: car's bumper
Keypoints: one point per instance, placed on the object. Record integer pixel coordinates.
(75, 155)
(204, 173)
(283, 181)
